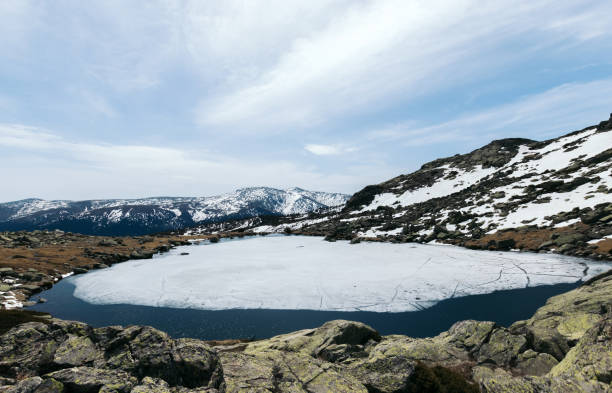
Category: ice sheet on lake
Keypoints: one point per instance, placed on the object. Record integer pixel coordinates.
(290, 272)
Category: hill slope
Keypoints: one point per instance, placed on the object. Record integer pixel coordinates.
(139, 216)
(511, 193)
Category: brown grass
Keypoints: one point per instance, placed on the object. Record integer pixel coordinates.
(528, 239)
(62, 258)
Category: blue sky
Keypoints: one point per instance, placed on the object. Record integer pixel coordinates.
(104, 99)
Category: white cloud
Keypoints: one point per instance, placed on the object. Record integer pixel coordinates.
(539, 116)
(328, 150)
(286, 64)
(46, 165)
(382, 51)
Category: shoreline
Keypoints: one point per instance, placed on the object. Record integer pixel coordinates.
(81, 253)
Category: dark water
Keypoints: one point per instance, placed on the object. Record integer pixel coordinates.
(503, 307)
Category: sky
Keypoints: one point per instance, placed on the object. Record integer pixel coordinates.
(127, 99)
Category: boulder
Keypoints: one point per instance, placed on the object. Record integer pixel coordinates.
(141, 254)
(502, 348)
(91, 380)
(28, 349)
(50, 385)
(470, 335)
(148, 352)
(28, 385)
(76, 351)
(107, 243)
(531, 362)
(196, 364)
(152, 385)
(570, 238)
(334, 341)
(34, 385)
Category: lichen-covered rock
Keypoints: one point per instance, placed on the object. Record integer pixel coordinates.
(196, 364)
(586, 368)
(29, 349)
(502, 349)
(36, 348)
(565, 318)
(591, 358)
(26, 350)
(152, 385)
(500, 381)
(76, 351)
(385, 371)
(334, 341)
(276, 371)
(50, 385)
(531, 362)
(90, 380)
(148, 352)
(28, 385)
(390, 364)
(470, 334)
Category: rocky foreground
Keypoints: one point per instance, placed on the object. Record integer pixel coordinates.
(566, 346)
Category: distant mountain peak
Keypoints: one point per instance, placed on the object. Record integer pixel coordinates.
(155, 214)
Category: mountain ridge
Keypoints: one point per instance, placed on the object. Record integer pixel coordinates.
(538, 189)
(156, 214)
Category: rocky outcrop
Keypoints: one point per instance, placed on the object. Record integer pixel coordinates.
(564, 319)
(566, 346)
(86, 359)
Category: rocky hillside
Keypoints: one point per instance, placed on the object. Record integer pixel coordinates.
(512, 193)
(140, 216)
(566, 346)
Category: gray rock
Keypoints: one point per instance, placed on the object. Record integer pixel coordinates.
(107, 243)
(502, 348)
(27, 385)
(196, 364)
(50, 385)
(35, 385)
(570, 239)
(531, 362)
(76, 351)
(90, 380)
(141, 254)
(5, 271)
(152, 385)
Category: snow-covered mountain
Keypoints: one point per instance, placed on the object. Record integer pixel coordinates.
(511, 193)
(138, 216)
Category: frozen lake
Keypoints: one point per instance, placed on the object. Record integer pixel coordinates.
(307, 273)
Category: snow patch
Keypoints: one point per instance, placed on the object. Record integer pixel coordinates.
(440, 188)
